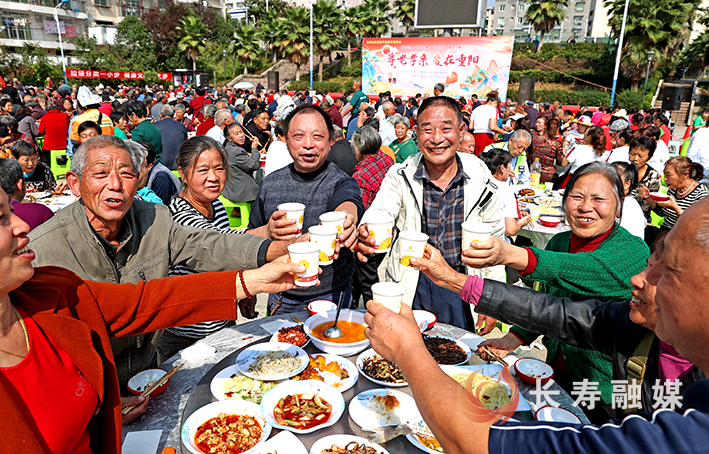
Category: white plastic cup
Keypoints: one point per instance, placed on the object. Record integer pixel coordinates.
(475, 231)
(306, 254)
(381, 230)
(294, 211)
(336, 219)
(324, 236)
(536, 213)
(411, 244)
(389, 295)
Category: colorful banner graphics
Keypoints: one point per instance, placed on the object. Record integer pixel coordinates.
(68, 30)
(464, 65)
(91, 74)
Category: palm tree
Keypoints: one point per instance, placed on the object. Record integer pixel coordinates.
(405, 11)
(378, 18)
(327, 21)
(292, 36)
(246, 47)
(354, 19)
(545, 15)
(193, 36)
(661, 27)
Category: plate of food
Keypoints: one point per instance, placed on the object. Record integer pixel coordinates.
(488, 377)
(336, 371)
(284, 443)
(549, 210)
(447, 351)
(291, 333)
(423, 438)
(526, 192)
(346, 444)
(383, 408)
(212, 427)
(548, 201)
(232, 384)
(272, 361)
(302, 406)
(379, 370)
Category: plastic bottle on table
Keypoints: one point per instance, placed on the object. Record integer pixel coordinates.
(535, 173)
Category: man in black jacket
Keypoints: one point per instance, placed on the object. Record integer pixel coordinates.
(341, 152)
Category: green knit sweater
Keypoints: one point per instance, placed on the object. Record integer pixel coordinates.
(602, 274)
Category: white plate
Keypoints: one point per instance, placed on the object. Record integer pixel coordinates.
(491, 370)
(553, 414)
(274, 338)
(360, 362)
(364, 417)
(333, 380)
(251, 354)
(463, 345)
(284, 442)
(415, 441)
(546, 200)
(232, 407)
(341, 441)
(217, 384)
(516, 189)
(40, 195)
(327, 392)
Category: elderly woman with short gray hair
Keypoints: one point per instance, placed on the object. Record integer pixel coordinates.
(403, 146)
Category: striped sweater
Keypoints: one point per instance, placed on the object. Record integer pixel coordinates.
(185, 214)
(685, 202)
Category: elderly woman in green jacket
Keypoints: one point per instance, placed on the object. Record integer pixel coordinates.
(596, 259)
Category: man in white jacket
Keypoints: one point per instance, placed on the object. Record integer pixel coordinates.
(434, 192)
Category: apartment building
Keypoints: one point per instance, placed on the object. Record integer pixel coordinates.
(586, 20)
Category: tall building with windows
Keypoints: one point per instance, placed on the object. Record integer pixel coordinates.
(586, 20)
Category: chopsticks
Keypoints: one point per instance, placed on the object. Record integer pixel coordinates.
(497, 357)
(154, 386)
(296, 319)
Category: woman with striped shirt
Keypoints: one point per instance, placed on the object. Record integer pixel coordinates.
(682, 177)
(202, 163)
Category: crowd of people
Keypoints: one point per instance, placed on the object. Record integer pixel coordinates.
(148, 166)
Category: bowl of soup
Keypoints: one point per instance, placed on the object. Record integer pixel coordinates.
(352, 325)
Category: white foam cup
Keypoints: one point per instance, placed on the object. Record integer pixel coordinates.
(325, 237)
(294, 211)
(411, 244)
(334, 218)
(389, 295)
(306, 254)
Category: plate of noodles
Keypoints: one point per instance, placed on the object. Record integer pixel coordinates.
(488, 374)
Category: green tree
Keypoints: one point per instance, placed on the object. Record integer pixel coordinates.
(193, 37)
(405, 11)
(246, 47)
(327, 20)
(162, 24)
(292, 36)
(257, 14)
(695, 57)
(134, 45)
(545, 15)
(660, 26)
(353, 26)
(377, 19)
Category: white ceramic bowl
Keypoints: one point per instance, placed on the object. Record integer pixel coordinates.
(531, 369)
(321, 307)
(232, 407)
(142, 380)
(325, 391)
(429, 318)
(333, 347)
(556, 414)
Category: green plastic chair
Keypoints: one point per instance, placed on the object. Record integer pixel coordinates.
(177, 174)
(59, 170)
(40, 141)
(238, 213)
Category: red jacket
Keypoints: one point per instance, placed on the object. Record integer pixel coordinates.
(196, 105)
(205, 126)
(81, 317)
(54, 126)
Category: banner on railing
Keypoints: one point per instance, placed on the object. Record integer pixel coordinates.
(464, 65)
(91, 74)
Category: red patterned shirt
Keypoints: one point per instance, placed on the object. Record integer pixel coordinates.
(369, 174)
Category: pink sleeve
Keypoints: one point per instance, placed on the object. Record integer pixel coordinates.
(472, 290)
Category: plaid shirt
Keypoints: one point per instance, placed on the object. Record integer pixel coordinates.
(369, 174)
(443, 214)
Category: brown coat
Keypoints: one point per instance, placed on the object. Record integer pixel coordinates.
(81, 317)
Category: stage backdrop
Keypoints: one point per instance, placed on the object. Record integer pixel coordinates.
(465, 65)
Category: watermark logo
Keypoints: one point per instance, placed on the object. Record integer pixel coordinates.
(470, 399)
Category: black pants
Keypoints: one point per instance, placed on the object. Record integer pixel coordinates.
(365, 276)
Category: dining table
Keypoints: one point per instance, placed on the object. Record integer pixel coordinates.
(189, 387)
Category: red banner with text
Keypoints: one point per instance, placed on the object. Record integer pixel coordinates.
(91, 74)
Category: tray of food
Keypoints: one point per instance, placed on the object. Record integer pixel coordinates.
(302, 406)
(272, 361)
(336, 371)
(379, 370)
(291, 333)
(447, 351)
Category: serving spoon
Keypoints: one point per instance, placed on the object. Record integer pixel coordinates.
(334, 332)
